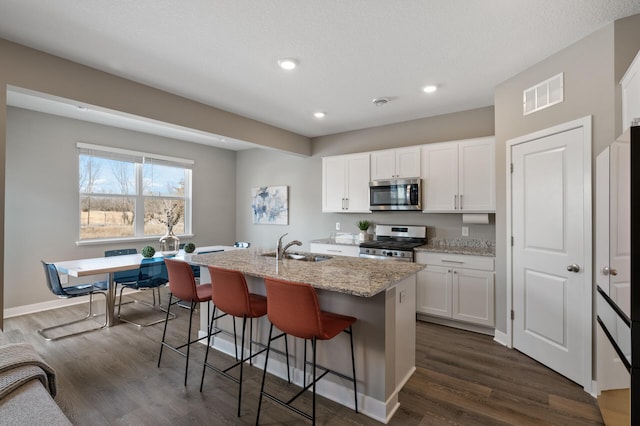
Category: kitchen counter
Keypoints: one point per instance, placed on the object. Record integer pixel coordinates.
(468, 250)
(379, 293)
(354, 276)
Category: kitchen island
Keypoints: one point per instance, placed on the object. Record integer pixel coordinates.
(380, 294)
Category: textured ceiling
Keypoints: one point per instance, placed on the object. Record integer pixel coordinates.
(224, 52)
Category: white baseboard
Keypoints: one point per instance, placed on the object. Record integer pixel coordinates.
(501, 338)
(54, 304)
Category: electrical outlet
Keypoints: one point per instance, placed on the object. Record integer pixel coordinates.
(337, 226)
(403, 296)
(465, 231)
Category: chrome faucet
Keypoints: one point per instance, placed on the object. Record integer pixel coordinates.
(282, 250)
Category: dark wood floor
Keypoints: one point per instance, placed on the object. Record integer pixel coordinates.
(109, 377)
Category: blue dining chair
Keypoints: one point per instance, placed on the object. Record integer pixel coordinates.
(152, 275)
(54, 284)
(121, 277)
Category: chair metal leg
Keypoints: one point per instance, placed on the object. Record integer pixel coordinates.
(43, 332)
(286, 351)
(353, 370)
(140, 325)
(313, 411)
(244, 327)
(264, 374)
(186, 368)
(164, 332)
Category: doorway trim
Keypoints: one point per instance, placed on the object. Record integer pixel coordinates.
(587, 309)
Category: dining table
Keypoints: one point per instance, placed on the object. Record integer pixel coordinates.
(110, 264)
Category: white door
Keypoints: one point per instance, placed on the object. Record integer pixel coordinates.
(612, 249)
(551, 221)
(620, 226)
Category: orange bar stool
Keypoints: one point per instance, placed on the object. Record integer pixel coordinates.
(182, 286)
(231, 296)
(294, 309)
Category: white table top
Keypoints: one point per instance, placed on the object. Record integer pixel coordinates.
(105, 265)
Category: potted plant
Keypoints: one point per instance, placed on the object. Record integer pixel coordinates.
(148, 252)
(364, 225)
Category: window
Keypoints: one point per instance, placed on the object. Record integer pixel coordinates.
(128, 194)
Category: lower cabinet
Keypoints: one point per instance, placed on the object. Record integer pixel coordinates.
(457, 287)
(335, 249)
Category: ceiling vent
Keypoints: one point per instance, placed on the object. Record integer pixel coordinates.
(543, 95)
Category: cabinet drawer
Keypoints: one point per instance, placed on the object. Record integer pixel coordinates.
(456, 261)
(335, 249)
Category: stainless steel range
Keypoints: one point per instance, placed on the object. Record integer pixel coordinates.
(394, 242)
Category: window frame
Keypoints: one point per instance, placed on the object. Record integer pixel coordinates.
(138, 159)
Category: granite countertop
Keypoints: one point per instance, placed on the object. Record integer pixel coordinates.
(350, 275)
(468, 250)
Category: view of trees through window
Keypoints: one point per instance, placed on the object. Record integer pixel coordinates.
(126, 196)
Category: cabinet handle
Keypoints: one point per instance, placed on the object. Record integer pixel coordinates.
(452, 261)
(347, 205)
(455, 202)
(460, 201)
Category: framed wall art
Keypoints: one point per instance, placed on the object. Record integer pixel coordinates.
(270, 205)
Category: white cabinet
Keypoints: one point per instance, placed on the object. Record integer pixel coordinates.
(459, 176)
(395, 163)
(335, 249)
(345, 183)
(458, 287)
(630, 85)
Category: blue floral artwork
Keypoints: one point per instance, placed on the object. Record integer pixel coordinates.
(270, 205)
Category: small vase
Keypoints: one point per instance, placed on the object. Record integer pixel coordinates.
(364, 236)
(169, 243)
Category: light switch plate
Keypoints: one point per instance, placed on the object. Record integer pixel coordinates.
(337, 226)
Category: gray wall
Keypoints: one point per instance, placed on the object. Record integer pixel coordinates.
(591, 75)
(34, 70)
(303, 175)
(41, 195)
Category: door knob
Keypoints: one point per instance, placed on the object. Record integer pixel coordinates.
(573, 268)
(609, 271)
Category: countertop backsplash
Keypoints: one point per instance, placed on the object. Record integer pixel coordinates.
(468, 246)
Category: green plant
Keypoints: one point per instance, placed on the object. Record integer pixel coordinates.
(363, 225)
(148, 251)
(189, 248)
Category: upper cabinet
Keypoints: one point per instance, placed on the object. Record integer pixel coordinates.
(345, 183)
(459, 177)
(395, 163)
(630, 85)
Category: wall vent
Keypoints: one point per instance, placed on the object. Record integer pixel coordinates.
(543, 95)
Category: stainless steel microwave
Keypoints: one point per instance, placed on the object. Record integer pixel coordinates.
(395, 194)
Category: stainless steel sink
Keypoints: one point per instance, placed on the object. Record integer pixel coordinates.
(303, 257)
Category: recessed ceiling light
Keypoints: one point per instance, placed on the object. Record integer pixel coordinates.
(288, 63)
(319, 114)
(430, 89)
